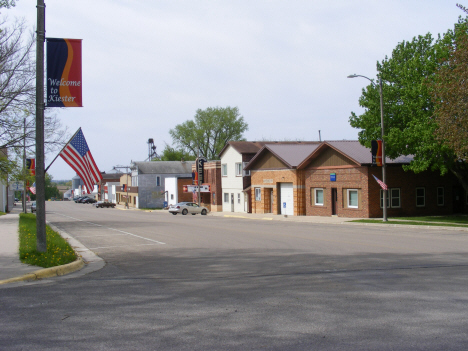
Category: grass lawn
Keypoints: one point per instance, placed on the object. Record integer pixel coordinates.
(59, 252)
(446, 221)
(2, 213)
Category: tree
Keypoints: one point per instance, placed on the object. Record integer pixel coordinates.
(171, 154)
(408, 108)
(17, 95)
(210, 130)
(449, 92)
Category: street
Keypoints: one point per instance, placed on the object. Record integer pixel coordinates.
(216, 283)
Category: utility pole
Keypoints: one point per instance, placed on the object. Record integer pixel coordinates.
(41, 240)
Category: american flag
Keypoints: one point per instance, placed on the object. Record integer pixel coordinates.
(76, 153)
(32, 189)
(382, 184)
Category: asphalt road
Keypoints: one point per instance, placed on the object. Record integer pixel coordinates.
(214, 283)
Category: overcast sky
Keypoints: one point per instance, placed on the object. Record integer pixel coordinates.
(149, 65)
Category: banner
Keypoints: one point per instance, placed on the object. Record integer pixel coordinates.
(206, 188)
(376, 147)
(64, 73)
(31, 166)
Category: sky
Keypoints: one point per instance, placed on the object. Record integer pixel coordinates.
(150, 65)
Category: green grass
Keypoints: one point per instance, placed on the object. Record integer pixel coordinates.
(59, 252)
(457, 219)
(446, 221)
(2, 213)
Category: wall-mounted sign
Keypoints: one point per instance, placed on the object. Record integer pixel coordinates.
(269, 181)
(206, 188)
(332, 177)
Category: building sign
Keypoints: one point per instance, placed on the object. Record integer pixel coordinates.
(269, 181)
(205, 188)
(332, 177)
(64, 81)
(16, 186)
(200, 168)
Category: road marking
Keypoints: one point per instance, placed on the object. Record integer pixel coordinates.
(110, 247)
(117, 230)
(262, 219)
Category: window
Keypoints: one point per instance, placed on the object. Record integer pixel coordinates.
(246, 173)
(135, 181)
(353, 199)
(381, 199)
(158, 181)
(420, 197)
(258, 194)
(224, 170)
(226, 197)
(318, 197)
(238, 198)
(239, 169)
(440, 196)
(172, 196)
(395, 197)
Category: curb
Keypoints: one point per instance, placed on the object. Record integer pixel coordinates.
(48, 272)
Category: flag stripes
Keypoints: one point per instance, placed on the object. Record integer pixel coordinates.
(382, 184)
(77, 154)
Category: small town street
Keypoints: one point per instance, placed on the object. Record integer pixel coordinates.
(218, 283)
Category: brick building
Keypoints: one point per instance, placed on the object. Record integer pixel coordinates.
(336, 178)
(212, 198)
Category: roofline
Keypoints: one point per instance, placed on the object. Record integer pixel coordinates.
(307, 160)
(260, 152)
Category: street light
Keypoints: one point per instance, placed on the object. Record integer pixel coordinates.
(384, 172)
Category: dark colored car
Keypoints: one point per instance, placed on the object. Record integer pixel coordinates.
(102, 204)
(89, 200)
(33, 206)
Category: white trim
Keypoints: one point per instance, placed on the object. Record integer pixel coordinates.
(315, 197)
(349, 197)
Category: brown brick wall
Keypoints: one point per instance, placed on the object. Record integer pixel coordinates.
(346, 178)
(278, 176)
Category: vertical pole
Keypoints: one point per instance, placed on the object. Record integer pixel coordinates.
(127, 186)
(41, 241)
(384, 167)
(24, 166)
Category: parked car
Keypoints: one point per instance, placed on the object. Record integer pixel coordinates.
(79, 198)
(187, 207)
(89, 200)
(33, 206)
(102, 204)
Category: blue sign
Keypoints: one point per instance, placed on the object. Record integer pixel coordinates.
(332, 177)
(165, 204)
(284, 204)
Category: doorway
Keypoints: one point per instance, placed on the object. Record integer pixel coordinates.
(232, 202)
(334, 200)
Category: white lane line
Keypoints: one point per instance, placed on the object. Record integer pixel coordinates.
(110, 247)
(117, 230)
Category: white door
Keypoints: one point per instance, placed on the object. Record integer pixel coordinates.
(287, 198)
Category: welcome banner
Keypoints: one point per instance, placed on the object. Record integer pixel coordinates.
(64, 73)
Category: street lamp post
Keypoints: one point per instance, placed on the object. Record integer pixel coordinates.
(384, 167)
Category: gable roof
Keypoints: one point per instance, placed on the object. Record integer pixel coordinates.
(290, 154)
(252, 147)
(353, 150)
(164, 167)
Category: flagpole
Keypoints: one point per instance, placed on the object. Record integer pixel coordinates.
(62, 150)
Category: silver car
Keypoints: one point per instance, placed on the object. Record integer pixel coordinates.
(33, 206)
(187, 207)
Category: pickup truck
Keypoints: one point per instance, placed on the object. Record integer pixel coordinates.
(104, 204)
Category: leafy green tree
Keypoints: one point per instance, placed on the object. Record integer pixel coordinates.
(449, 92)
(171, 154)
(51, 189)
(408, 108)
(209, 131)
